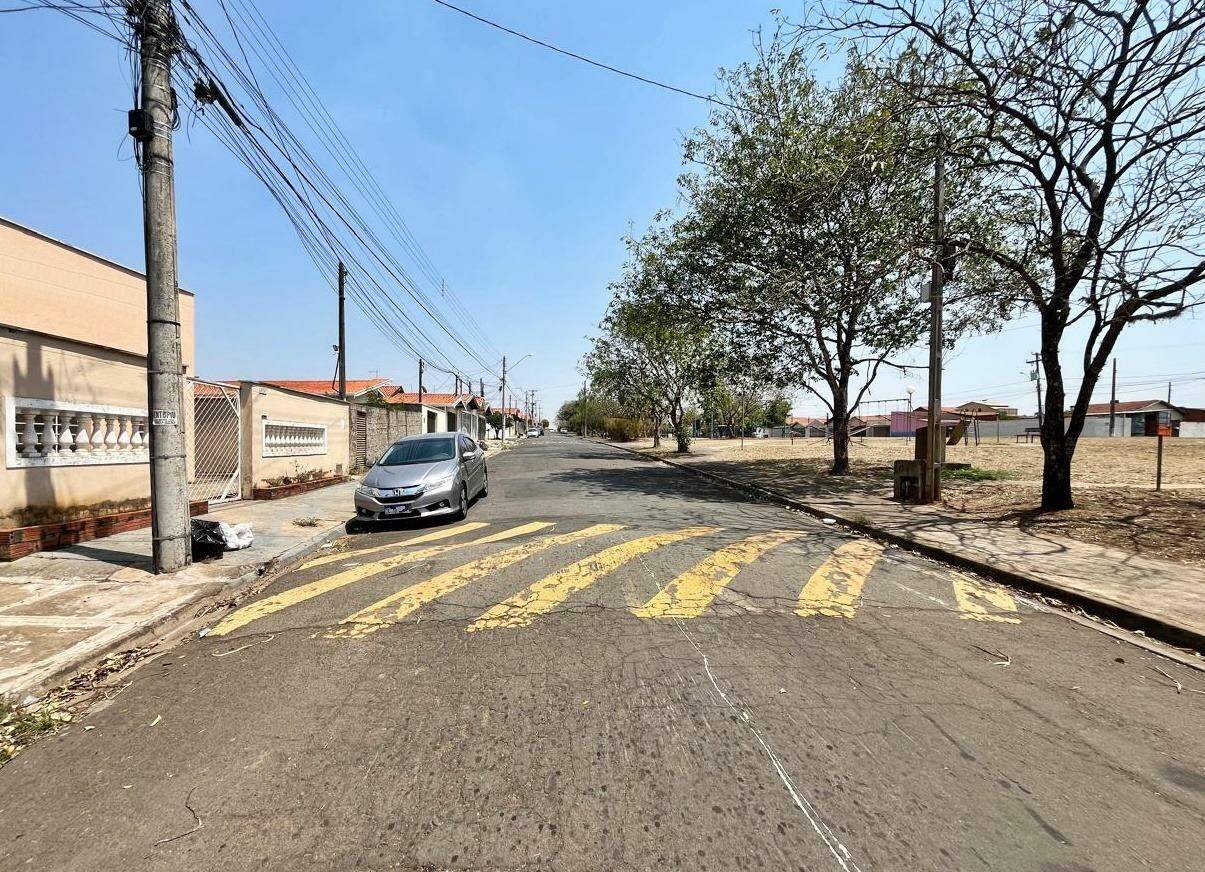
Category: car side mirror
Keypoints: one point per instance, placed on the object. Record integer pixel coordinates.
(483, 446)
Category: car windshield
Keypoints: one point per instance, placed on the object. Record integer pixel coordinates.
(420, 451)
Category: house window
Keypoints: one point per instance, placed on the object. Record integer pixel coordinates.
(53, 433)
(293, 439)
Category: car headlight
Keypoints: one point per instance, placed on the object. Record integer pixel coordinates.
(368, 491)
(440, 483)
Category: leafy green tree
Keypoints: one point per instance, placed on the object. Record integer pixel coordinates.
(651, 349)
(776, 412)
(810, 220)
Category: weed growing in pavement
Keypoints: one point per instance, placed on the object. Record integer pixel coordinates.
(20, 725)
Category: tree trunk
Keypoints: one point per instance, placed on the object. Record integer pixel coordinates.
(657, 432)
(680, 434)
(840, 421)
(1058, 446)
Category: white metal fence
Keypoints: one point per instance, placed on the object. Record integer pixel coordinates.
(217, 431)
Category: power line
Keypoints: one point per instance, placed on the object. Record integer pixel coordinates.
(602, 66)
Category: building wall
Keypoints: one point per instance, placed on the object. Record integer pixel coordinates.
(73, 331)
(262, 404)
(1192, 429)
(384, 426)
(51, 288)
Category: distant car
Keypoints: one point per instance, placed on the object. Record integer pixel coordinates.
(761, 433)
(423, 476)
(534, 431)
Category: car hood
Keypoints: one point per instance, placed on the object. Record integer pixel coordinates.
(409, 475)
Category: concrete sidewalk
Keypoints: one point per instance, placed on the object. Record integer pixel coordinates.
(1165, 600)
(62, 610)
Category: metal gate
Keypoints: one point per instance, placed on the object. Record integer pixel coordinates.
(359, 439)
(217, 442)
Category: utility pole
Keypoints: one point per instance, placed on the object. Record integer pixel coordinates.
(504, 399)
(420, 383)
(1036, 363)
(933, 448)
(481, 388)
(1113, 400)
(1169, 393)
(342, 335)
(151, 126)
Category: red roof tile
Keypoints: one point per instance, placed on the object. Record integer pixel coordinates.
(324, 387)
(1125, 406)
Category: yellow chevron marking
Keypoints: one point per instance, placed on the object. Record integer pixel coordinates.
(396, 606)
(547, 593)
(835, 588)
(301, 593)
(972, 594)
(434, 536)
(689, 595)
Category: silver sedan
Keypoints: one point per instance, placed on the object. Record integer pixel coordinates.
(421, 476)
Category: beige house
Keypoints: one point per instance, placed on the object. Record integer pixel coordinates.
(73, 391)
(288, 432)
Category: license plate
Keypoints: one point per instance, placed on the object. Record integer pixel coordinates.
(397, 510)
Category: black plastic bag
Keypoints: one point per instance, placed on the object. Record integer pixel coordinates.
(207, 540)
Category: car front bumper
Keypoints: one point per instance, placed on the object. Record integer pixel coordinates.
(438, 501)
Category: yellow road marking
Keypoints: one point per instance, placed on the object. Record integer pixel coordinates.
(301, 593)
(434, 536)
(969, 591)
(396, 606)
(547, 593)
(689, 595)
(836, 587)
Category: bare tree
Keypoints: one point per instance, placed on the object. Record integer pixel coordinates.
(1091, 117)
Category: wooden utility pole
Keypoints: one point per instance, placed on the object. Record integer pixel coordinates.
(1113, 400)
(151, 126)
(342, 335)
(932, 489)
(504, 399)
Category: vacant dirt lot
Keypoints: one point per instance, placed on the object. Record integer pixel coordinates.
(1128, 462)
(1114, 478)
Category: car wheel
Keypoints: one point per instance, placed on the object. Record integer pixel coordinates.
(462, 510)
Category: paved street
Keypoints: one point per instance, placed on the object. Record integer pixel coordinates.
(614, 665)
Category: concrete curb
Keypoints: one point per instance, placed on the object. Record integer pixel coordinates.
(187, 615)
(1121, 614)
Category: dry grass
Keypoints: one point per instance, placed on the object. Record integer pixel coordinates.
(1114, 484)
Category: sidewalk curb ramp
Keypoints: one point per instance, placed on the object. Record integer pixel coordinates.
(1154, 626)
(188, 615)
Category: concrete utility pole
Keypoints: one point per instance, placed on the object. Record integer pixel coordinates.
(1036, 363)
(504, 399)
(481, 388)
(932, 490)
(1169, 393)
(151, 126)
(342, 335)
(420, 383)
(1113, 400)
(457, 388)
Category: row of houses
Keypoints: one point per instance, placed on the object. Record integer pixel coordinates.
(73, 397)
(993, 420)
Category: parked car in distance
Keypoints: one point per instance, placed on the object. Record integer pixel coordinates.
(534, 431)
(421, 476)
(761, 433)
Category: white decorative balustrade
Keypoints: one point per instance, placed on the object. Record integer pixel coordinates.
(293, 439)
(54, 433)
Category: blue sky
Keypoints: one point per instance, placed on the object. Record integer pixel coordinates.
(518, 170)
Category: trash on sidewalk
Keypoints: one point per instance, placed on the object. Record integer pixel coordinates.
(212, 538)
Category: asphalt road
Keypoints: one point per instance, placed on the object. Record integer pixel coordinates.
(624, 667)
